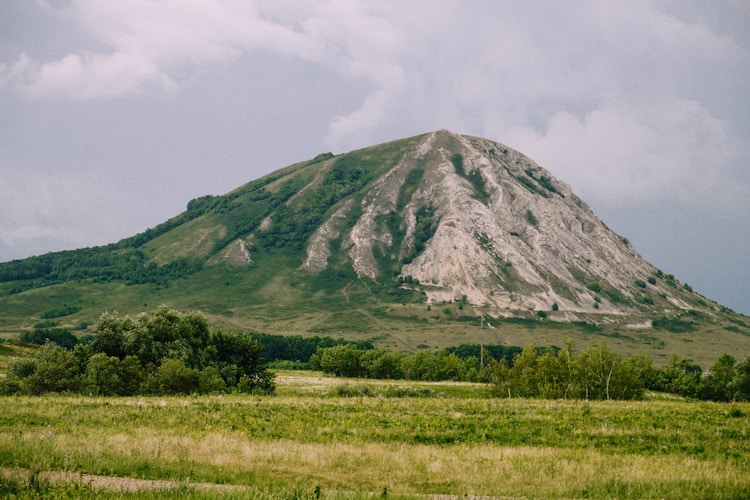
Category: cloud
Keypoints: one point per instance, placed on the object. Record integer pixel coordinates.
(44, 210)
(620, 99)
(149, 42)
(676, 151)
(615, 99)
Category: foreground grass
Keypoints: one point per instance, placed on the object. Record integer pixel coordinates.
(441, 439)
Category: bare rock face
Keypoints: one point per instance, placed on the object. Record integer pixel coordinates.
(469, 219)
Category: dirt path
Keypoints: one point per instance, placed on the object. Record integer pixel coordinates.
(131, 485)
(109, 483)
(384, 328)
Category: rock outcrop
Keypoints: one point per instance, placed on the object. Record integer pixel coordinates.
(503, 232)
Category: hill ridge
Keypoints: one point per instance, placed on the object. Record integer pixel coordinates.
(443, 219)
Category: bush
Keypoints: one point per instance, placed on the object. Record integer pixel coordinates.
(10, 387)
(58, 312)
(341, 361)
(531, 219)
(103, 375)
(57, 370)
(210, 381)
(261, 382)
(22, 368)
(173, 377)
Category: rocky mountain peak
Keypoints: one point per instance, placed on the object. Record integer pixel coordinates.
(468, 219)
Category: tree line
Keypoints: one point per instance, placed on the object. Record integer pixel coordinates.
(161, 352)
(167, 352)
(593, 373)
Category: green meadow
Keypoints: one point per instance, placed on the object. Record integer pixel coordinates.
(324, 437)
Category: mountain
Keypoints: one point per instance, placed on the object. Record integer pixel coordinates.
(411, 243)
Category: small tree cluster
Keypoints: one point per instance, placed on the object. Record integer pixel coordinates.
(725, 380)
(596, 373)
(162, 352)
(350, 361)
(59, 336)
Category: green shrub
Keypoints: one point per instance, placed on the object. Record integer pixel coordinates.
(59, 336)
(46, 324)
(59, 312)
(531, 219)
(210, 381)
(594, 287)
(21, 368)
(173, 377)
(57, 370)
(103, 375)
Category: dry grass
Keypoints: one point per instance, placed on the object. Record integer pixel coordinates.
(411, 446)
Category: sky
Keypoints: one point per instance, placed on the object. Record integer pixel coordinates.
(114, 114)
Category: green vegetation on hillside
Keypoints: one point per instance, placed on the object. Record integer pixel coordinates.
(293, 225)
(474, 177)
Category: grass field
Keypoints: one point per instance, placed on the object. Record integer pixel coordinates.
(333, 438)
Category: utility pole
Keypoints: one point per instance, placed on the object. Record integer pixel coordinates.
(481, 341)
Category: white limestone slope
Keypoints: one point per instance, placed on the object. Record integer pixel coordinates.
(529, 244)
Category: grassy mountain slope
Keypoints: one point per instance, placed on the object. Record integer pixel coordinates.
(406, 243)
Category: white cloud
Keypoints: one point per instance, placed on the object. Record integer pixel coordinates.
(613, 97)
(148, 41)
(676, 151)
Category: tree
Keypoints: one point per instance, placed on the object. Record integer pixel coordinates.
(739, 388)
(131, 376)
(421, 365)
(715, 382)
(449, 366)
(525, 373)
(381, 364)
(59, 336)
(174, 335)
(238, 359)
(680, 377)
(341, 360)
(56, 371)
(103, 375)
(501, 377)
(173, 377)
(109, 334)
(553, 375)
